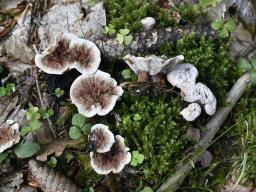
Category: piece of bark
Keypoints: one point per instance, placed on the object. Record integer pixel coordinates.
(173, 183)
(11, 183)
(49, 180)
(151, 40)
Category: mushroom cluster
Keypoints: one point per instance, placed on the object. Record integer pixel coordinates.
(9, 135)
(184, 77)
(93, 92)
(180, 75)
(109, 153)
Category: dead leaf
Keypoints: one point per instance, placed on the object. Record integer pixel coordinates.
(57, 148)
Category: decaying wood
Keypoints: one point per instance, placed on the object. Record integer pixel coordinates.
(150, 41)
(11, 183)
(7, 105)
(173, 183)
(48, 180)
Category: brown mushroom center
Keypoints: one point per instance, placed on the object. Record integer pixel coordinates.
(93, 91)
(55, 59)
(111, 159)
(98, 138)
(82, 54)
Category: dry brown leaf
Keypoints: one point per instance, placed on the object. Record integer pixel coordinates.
(57, 148)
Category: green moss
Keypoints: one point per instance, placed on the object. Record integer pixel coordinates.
(216, 69)
(153, 126)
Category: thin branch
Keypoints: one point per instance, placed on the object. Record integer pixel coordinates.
(174, 182)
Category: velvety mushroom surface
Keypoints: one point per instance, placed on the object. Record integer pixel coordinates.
(114, 160)
(69, 51)
(101, 138)
(95, 94)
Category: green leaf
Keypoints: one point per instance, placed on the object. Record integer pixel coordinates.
(69, 157)
(224, 33)
(112, 31)
(52, 162)
(253, 62)
(206, 3)
(243, 65)
(2, 91)
(31, 127)
(217, 24)
(126, 74)
(1, 68)
(3, 156)
(86, 129)
(78, 120)
(25, 150)
(74, 133)
(137, 117)
(120, 38)
(128, 39)
(124, 31)
(140, 158)
(230, 25)
(106, 29)
(147, 189)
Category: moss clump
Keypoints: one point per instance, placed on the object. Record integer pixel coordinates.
(153, 126)
(210, 56)
(127, 13)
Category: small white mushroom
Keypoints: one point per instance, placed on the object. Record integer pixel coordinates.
(151, 64)
(69, 51)
(183, 76)
(101, 138)
(9, 135)
(148, 23)
(210, 108)
(95, 94)
(112, 161)
(191, 112)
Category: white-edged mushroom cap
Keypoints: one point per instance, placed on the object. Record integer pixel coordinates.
(114, 160)
(95, 94)
(191, 112)
(69, 51)
(101, 138)
(151, 64)
(183, 76)
(9, 135)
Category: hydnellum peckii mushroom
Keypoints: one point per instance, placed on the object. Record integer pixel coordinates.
(67, 52)
(113, 160)
(95, 94)
(151, 67)
(101, 138)
(9, 135)
(184, 77)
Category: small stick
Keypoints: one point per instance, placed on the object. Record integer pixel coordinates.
(173, 183)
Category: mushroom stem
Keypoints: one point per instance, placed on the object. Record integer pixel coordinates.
(173, 183)
(114, 184)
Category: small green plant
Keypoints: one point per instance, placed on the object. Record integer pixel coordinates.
(126, 73)
(208, 3)
(147, 189)
(110, 29)
(34, 116)
(248, 66)
(123, 37)
(225, 27)
(79, 126)
(137, 158)
(7, 90)
(27, 149)
(59, 92)
(52, 162)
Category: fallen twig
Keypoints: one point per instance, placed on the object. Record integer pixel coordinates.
(173, 183)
